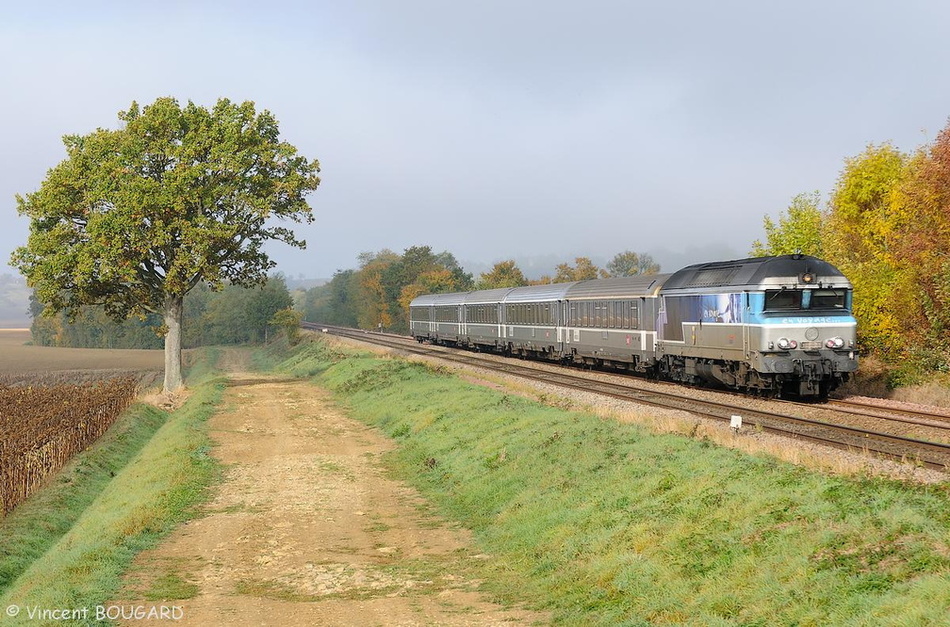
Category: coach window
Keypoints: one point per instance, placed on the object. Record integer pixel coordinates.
(634, 316)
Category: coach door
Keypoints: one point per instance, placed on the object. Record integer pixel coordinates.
(746, 327)
(565, 320)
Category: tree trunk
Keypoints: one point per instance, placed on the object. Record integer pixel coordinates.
(173, 317)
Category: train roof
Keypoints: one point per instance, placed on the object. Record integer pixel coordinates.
(618, 287)
(453, 298)
(534, 293)
(757, 272)
(487, 296)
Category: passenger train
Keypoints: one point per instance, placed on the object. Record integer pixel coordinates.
(777, 326)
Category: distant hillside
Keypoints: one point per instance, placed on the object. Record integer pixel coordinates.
(14, 301)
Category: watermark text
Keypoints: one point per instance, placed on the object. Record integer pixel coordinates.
(99, 612)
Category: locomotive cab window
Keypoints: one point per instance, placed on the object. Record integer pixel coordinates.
(777, 300)
(828, 299)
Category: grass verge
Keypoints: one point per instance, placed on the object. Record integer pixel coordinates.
(607, 523)
(68, 546)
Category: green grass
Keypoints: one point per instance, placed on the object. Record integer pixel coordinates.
(81, 536)
(607, 523)
(32, 528)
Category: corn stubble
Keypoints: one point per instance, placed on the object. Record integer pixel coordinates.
(41, 428)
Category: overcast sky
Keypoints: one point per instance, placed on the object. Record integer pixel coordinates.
(497, 129)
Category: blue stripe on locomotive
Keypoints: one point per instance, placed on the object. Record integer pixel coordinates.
(755, 314)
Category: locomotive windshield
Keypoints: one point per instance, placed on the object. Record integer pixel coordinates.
(783, 299)
(823, 299)
(828, 299)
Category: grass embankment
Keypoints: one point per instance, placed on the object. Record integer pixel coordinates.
(68, 545)
(607, 523)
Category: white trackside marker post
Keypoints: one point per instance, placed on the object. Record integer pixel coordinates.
(736, 423)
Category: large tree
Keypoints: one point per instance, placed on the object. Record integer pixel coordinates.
(862, 235)
(922, 246)
(134, 218)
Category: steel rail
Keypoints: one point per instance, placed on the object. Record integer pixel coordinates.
(854, 438)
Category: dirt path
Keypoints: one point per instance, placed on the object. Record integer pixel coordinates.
(307, 529)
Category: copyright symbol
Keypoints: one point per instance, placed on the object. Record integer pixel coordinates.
(13, 610)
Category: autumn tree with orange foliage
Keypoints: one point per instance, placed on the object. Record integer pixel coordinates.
(922, 249)
(388, 282)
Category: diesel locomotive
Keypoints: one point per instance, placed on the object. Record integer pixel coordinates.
(777, 326)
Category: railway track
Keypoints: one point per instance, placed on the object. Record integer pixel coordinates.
(881, 441)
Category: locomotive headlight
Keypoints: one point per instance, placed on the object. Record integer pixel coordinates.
(835, 342)
(786, 344)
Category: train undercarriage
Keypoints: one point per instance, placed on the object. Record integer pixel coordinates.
(804, 378)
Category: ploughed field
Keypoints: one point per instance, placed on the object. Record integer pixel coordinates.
(54, 402)
(36, 365)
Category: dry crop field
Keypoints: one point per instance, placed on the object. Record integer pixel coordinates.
(54, 402)
(36, 364)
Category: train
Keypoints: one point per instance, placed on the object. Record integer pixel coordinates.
(778, 326)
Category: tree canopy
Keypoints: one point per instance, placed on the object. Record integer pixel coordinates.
(135, 218)
(629, 263)
(582, 270)
(798, 229)
(887, 227)
(503, 274)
